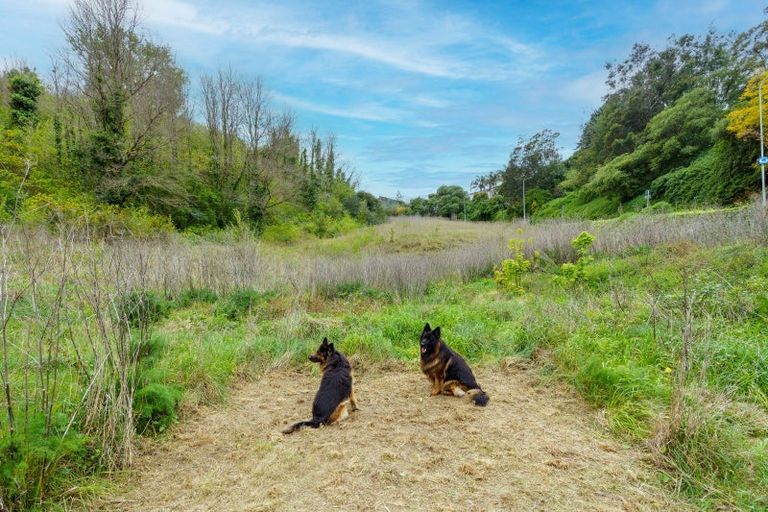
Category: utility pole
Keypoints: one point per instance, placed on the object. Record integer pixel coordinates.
(524, 199)
(762, 145)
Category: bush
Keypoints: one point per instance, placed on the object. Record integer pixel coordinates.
(38, 462)
(281, 233)
(510, 276)
(241, 302)
(356, 289)
(659, 207)
(576, 273)
(99, 220)
(155, 406)
(186, 298)
(142, 308)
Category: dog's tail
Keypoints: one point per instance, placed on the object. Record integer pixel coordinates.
(479, 397)
(301, 424)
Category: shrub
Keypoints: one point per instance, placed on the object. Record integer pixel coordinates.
(356, 289)
(576, 273)
(40, 460)
(186, 298)
(510, 276)
(155, 406)
(142, 308)
(659, 207)
(100, 220)
(281, 233)
(240, 302)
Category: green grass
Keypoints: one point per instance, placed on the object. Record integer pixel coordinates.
(615, 339)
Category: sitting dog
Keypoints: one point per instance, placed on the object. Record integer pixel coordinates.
(335, 395)
(447, 370)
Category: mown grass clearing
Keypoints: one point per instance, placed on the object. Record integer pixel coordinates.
(534, 447)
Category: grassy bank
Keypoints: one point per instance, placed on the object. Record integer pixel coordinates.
(665, 335)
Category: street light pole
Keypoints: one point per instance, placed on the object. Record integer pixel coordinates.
(762, 151)
(523, 199)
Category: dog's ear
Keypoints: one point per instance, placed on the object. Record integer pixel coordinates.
(331, 350)
(427, 328)
(325, 342)
(436, 333)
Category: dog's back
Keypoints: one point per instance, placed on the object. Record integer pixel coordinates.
(335, 387)
(458, 369)
(336, 396)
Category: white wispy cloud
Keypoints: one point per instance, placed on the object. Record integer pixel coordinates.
(177, 13)
(588, 89)
(429, 101)
(422, 42)
(365, 112)
(366, 48)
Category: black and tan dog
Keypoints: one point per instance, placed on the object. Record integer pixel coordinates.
(335, 398)
(447, 370)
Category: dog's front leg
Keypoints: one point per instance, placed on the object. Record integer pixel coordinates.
(352, 401)
(437, 386)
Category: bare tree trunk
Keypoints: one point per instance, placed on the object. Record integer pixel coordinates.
(223, 117)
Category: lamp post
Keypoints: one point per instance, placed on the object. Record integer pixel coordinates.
(762, 150)
(524, 219)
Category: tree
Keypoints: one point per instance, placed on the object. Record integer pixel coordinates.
(673, 139)
(24, 89)
(223, 117)
(485, 208)
(257, 119)
(448, 201)
(123, 86)
(649, 81)
(534, 163)
(744, 120)
(330, 158)
(487, 183)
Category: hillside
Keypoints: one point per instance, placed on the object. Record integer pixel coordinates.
(139, 150)
(679, 123)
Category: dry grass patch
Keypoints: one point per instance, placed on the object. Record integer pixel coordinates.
(532, 448)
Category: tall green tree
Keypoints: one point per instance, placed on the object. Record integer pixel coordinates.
(130, 86)
(24, 89)
(449, 201)
(535, 163)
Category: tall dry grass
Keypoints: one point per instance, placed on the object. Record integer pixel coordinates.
(177, 265)
(72, 331)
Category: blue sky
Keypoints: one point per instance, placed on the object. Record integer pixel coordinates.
(417, 93)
